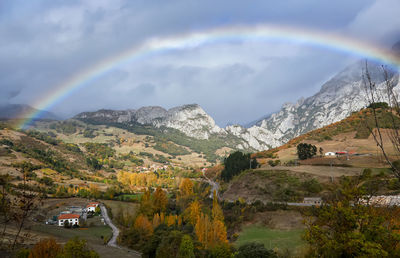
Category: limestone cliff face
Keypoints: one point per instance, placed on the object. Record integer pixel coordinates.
(343, 94)
(189, 119)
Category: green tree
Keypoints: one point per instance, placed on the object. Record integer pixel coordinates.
(348, 227)
(97, 211)
(306, 151)
(220, 250)
(312, 186)
(186, 249)
(146, 204)
(376, 105)
(252, 250)
(77, 248)
(170, 245)
(236, 163)
(66, 224)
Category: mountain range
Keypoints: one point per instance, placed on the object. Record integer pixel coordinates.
(337, 99)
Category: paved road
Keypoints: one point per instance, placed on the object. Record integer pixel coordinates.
(113, 240)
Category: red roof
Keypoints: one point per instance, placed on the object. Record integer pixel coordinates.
(91, 205)
(68, 216)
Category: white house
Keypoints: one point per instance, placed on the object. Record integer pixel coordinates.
(73, 219)
(330, 153)
(91, 207)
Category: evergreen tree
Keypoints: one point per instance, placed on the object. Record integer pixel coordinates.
(306, 151)
(236, 163)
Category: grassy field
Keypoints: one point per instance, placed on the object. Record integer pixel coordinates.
(91, 234)
(119, 206)
(272, 239)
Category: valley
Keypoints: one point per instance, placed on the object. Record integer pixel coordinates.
(72, 162)
(175, 184)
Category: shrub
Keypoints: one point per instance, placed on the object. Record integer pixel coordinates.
(258, 250)
(306, 151)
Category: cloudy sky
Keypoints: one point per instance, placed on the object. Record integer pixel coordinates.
(45, 43)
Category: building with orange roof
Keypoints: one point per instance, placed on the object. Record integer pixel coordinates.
(73, 219)
(91, 207)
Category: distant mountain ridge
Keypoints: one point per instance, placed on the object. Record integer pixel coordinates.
(18, 111)
(189, 119)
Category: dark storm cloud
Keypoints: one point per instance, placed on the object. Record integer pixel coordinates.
(43, 43)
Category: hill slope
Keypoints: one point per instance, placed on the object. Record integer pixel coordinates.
(351, 134)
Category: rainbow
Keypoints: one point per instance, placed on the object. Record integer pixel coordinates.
(331, 41)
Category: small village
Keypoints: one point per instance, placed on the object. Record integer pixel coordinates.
(76, 216)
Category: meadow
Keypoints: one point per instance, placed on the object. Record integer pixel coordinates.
(282, 240)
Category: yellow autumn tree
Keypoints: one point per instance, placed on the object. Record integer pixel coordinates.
(202, 228)
(192, 213)
(160, 200)
(94, 191)
(216, 211)
(171, 219)
(217, 234)
(156, 220)
(210, 232)
(186, 188)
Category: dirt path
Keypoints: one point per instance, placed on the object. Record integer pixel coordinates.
(113, 240)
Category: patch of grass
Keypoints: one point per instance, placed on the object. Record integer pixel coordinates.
(48, 171)
(91, 234)
(129, 197)
(118, 206)
(271, 238)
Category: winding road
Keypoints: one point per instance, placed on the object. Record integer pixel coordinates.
(113, 240)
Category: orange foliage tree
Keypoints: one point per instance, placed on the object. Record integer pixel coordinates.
(143, 226)
(46, 248)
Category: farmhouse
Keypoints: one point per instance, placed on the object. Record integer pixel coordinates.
(73, 219)
(330, 153)
(91, 207)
